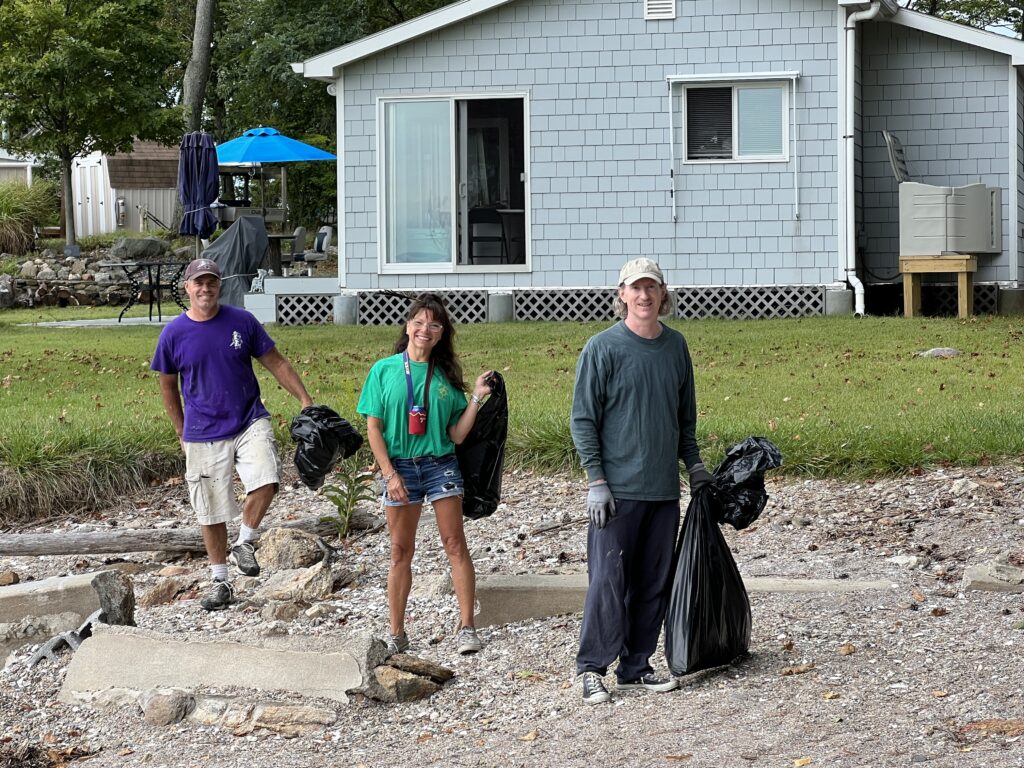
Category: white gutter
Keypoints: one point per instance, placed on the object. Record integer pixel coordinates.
(848, 138)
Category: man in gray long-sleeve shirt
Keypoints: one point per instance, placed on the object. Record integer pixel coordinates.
(634, 415)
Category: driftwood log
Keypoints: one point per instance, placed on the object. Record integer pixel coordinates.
(117, 540)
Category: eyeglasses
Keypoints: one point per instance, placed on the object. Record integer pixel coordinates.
(419, 325)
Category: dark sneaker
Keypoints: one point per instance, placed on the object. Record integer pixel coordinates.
(468, 640)
(219, 596)
(243, 557)
(594, 691)
(649, 683)
(398, 643)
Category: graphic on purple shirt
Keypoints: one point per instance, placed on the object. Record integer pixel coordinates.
(214, 360)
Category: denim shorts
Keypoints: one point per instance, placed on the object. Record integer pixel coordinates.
(428, 477)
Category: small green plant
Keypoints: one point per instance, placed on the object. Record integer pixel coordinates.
(353, 483)
(8, 266)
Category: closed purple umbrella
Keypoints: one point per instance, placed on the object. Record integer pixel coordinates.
(197, 184)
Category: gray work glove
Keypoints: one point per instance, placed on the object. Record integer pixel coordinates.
(699, 477)
(600, 504)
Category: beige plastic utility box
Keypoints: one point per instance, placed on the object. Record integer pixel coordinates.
(937, 220)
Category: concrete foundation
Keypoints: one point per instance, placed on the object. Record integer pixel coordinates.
(838, 302)
(1011, 301)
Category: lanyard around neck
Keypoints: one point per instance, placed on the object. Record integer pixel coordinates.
(410, 398)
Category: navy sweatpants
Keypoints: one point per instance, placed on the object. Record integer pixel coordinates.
(629, 565)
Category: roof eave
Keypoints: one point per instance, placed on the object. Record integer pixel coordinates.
(327, 66)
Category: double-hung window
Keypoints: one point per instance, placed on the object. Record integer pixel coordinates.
(736, 121)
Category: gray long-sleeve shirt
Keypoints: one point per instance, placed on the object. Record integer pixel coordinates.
(634, 412)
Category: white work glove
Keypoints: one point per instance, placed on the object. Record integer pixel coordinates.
(600, 504)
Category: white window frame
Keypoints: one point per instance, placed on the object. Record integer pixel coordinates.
(453, 267)
(780, 84)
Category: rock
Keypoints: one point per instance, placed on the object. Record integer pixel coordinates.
(164, 591)
(173, 570)
(432, 585)
(163, 708)
(395, 685)
(308, 584)
(939, 352)
(286, 548)
(963, 486)
(28, 269)
(905, 561)
(8, 577)
(422, 667)
(368, 651)
(291, 719)
(277, 610)
(46, 274)
(142, 249)
(1001, 570)
(6, 291)
(117, 597)
(319, 611)
(242, 717)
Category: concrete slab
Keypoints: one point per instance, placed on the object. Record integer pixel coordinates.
(60, 594)
(108, 322)
(129, 658)
(993, 577)
(505, 599)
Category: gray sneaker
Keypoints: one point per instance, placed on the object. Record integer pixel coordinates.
(243, 557)
(648, 683)
(219, 596)
(594, 691)
(398, 643)
(468, 640)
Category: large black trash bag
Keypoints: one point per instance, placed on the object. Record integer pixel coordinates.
(708, 619)
(323, 438)
(482, 454)
(739, 480)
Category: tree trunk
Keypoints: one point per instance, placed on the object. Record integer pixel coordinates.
(117, 541)
(70, 236)
(197, 71)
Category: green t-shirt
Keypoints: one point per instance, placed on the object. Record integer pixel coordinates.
(384, 396)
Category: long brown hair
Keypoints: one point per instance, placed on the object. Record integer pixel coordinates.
(443, 353)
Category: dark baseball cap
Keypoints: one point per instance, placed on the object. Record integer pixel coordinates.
(202, 267)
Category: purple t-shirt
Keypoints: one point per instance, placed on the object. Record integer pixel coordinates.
(214, 360)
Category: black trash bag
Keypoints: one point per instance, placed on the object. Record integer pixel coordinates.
(481, 455)
(738, 481)
(323, 438)
(708, 619)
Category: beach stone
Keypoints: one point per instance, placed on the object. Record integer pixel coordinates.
(287, 548)
(162, 708)
(302, 584)
(395, 685)
(422, 667)
(8, 577)
(163, 591)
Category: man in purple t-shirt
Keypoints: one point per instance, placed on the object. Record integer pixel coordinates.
(223, 427)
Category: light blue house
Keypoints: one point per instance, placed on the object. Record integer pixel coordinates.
(514, 153)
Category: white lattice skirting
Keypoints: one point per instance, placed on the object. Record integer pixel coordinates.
(583, 304)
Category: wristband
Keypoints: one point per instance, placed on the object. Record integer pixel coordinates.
(477, 400)
(387, 478)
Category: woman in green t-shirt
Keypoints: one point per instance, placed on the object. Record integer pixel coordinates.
(413, 437)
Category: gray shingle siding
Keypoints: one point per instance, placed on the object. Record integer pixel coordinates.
(598, 135)
(948, 104)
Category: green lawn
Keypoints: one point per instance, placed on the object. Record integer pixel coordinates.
(82, 419)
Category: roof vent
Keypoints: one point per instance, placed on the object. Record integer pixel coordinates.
(659, 9)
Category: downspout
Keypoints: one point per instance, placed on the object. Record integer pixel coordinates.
(848, 137)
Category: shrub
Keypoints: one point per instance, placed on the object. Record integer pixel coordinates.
(22, 207)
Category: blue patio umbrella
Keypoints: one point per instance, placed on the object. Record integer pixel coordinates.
(270, 146)
(197, 184)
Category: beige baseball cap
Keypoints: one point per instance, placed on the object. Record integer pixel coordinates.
(637, 269)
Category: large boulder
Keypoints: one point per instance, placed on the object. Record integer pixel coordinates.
(144, 249)
(286, 548)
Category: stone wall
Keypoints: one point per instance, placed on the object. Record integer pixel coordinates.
(52, 279)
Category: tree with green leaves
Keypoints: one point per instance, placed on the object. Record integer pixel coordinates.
(983, 14)
(84, 75)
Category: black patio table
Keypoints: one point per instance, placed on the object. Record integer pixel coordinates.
(156, 274)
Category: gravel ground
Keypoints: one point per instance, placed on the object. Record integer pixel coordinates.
(922, 673)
